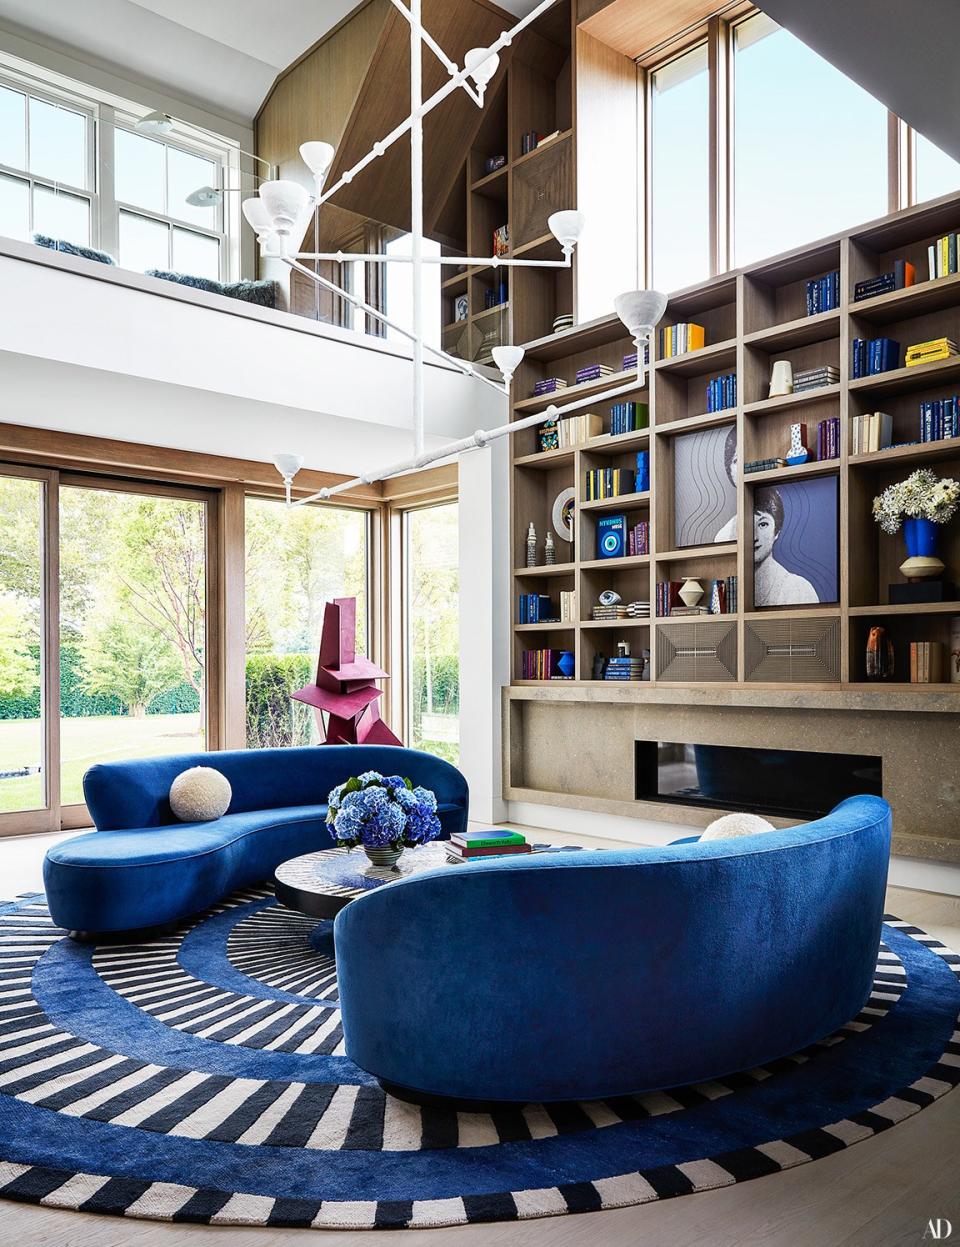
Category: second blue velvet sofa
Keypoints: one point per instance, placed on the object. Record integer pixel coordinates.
(142, 868)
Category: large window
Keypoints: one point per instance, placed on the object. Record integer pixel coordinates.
(398, 283)
(296, 561)
(809, 145)
(432, 629)
(936, 172)
(680, 206)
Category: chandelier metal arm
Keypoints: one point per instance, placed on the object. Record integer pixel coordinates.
(474, 261)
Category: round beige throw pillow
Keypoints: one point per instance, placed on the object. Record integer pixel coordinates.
(732, 825)
(200, 795)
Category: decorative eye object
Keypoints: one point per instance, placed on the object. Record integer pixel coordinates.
(609, 598)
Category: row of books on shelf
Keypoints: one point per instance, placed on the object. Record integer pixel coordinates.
(638, 539)
(940, 419)
(539, 608)
(874, 355)
(569, 431)
(678, 339)
(926, 662)
(587, 373)
(628, 418)
(901, 275)
(720, 599)
(547, 664)
(942, 258)
(871, 432)
(722, 392)
(473, 846)
(828, 438)
(823, 293)
(927, 352)
(600, 483)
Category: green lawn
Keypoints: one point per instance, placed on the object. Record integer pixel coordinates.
(83, 742)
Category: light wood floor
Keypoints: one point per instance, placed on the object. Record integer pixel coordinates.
(880, 1193)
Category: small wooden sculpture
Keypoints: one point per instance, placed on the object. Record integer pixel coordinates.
(879, 655)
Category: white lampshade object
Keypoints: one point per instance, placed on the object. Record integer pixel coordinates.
(318, 157)
(481, 64)
(154, 123)
(566, 227)
(507, 359)
(640, 311)
(288, 466)
(258, 218)
(205, 197)
(284, 201)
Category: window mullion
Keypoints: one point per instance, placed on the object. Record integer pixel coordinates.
(107, 215)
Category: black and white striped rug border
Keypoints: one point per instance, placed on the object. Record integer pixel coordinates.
(164, 1201)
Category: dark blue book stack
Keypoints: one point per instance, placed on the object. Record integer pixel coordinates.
(536, 608)
(823, 293)
(722, 392)
(874, 355)
(628, 418)
(939, 419)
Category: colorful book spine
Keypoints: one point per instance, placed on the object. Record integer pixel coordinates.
(823, 293)
(871, 356)
(942, 257)
(681, 338)
(536, 608)
(609, 483)
(638, 539)
(828, 438)
(628, 418)
(722, 392)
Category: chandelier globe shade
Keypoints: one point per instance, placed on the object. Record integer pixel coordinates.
(318, 157)
(481, 64)
(284, 201)
(640, 310)
(205, 197)
(154, 123)
(507, 359)
(566, 227)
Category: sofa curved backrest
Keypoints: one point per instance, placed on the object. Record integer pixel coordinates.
(135, 793)
(591, 974)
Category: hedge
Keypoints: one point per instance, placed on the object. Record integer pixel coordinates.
(272, 718)
(446, 685)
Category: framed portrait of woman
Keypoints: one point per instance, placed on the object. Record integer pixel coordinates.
(796, 543)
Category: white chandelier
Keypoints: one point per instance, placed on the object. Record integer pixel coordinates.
(280, 208)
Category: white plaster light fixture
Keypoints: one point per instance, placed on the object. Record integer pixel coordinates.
(282, 204)
(641, 312)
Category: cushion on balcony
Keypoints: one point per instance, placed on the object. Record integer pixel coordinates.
(72, 248)
(262, 293)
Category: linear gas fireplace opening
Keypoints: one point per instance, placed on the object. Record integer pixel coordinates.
(794, 783)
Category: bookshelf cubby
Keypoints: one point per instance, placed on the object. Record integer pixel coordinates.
(751, 318)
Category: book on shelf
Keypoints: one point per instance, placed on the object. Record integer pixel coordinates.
(823, 293)
(624, 667)
(631, 358)
(926, 662)
(600, 614)
(547, 664)
(501, 240)
(575, 430)
(813, 378)
(828, 438)
(568, 605)
(536, 608)
(611, 536)
(940, 419)
(628, 418)
(548, 436)
(609, 483)
(678, 339)
(638, 539)
(903, 274)
(874, 355)
(763, 465)
(721, 599)
(549, 385)
(530, 141)
(592, 372)
(683, 611)
(925, 352)
(942, 256)
(871, 432)
(722, 392)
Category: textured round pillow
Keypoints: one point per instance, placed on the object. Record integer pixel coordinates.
(732, 825)
(200, 795)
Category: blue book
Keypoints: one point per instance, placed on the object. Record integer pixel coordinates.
(611, 536)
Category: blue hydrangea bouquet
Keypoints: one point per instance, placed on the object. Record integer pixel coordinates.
(384, 814)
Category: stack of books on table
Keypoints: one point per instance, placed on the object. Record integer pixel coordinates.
(624, 668)
(814, 378)
(942, 256)
(828, 438)
(678, 339)
(903, 274)
(476, 846)
(549, 385)
(628, 418)
(593, 372)
(871, 432)
(926, 352)
(575, 430)
(940, 419)
(823, 293)
(874, 355)
(638, 610)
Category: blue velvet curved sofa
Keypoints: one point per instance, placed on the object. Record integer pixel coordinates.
(142, 868)
(596, 974)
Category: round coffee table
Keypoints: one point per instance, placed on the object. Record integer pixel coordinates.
(321, 884)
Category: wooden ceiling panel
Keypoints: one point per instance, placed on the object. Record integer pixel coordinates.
(633, 27)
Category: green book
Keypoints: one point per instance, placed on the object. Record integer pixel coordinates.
(487, 839)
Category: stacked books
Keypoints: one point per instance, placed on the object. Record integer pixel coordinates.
(942, 256)
(926, 662)
(926, 352)
(493, 163)
(722, 392)
(903, 274)
(609, 483)
(763, 465)
(535, 608)
(678, 339)
(814, 378)
(501, 240)
(823, 293)
(940, 419)
(828, 438)
(474, 846)
(630, 359)
(721, 598)
(638, 539)
(638, 610)
(682, 611)
(549, 385)
(628, 418)
(547, 664)
(568, 605)
(874, 355)
(574, 430)
(624, 667)
(731, 595)
(871, 432)
(600, 613)
(668, 595)
(593, 372)
(529, 142)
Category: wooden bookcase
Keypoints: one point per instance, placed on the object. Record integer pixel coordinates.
(752, 317)
(533, 93)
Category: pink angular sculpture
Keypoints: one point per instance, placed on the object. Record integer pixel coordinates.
(345, 688)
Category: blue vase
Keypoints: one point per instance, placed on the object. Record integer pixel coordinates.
(921, 538)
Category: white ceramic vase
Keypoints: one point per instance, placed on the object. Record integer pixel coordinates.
(691, 592)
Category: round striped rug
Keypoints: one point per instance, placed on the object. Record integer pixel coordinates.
(201, 1077)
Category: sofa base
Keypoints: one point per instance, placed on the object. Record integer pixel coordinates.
(455, 1104)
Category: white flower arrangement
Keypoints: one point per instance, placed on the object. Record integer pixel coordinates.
(923, 495)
